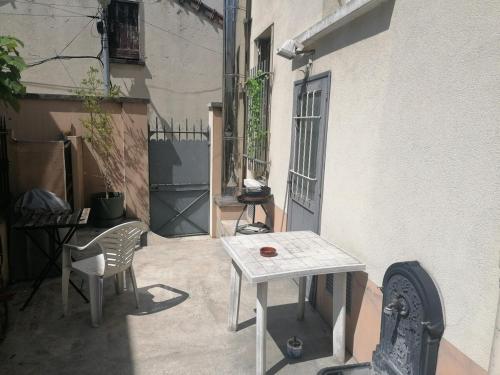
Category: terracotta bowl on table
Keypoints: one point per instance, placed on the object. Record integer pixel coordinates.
(268, 251)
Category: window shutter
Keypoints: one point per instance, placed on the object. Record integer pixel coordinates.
(124, 30)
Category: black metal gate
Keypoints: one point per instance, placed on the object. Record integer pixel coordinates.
(179, 177)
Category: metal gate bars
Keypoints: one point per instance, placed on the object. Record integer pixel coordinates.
(179, 169)
(305, 146)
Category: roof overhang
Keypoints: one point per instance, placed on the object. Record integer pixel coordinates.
(345, 14)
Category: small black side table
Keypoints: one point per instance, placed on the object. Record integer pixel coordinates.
(251, 200)
(50, 223)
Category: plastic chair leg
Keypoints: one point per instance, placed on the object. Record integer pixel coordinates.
(134, 283)
(96, 293)
(120, 282)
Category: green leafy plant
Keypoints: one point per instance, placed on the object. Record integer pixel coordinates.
(256, 133)
(11, 66)
(98, 124)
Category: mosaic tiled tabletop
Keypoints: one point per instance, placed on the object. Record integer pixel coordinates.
(298, 254)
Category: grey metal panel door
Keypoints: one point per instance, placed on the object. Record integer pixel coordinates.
(179, 178)
(307, 155)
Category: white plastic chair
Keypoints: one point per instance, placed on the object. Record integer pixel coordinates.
(118, 245)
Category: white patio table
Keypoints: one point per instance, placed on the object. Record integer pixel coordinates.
(299, 254)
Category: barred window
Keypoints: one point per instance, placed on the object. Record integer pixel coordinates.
(257, 113)
(123, 28)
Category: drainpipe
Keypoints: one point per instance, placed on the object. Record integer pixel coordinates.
(103, 30)
(105, 52)
(229, 99)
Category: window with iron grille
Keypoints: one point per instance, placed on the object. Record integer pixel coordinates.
(123, 29)
(257, 113)
(305, 147)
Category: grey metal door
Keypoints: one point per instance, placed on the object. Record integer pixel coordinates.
(307, 155)
(179, 176)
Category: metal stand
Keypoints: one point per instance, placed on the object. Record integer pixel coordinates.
(251, 201)
(52, 261)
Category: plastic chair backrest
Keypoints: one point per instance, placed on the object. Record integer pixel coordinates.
(118, 245)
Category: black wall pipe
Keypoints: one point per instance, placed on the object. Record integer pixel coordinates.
(229, 85)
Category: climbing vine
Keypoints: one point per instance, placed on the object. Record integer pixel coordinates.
(256, 133)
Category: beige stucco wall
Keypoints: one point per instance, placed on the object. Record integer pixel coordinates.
(182, 53)
(47, 119)
(37, 164)
(216, 142)
(413, 144)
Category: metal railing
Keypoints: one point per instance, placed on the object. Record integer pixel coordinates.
(162, 131)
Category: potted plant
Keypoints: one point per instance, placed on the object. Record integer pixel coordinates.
(106, 206)
(294, 347)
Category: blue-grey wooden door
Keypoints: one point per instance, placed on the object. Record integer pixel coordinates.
(307, 152)
(179, 177)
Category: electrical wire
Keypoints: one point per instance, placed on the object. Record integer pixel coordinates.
(44, 15)
(58, 4)
(99, 55)
(53, 7)
(76, 36)
(59, 56)
(181, 37)
(67, 72)
(62, 58)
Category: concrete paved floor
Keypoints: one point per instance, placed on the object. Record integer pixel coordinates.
(180, 327)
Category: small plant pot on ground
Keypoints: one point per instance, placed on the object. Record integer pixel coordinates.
(294, 347)
(107, 211)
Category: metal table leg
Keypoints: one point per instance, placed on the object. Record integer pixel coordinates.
(261, 322)
(302, 297)
(234, 297)
(339, 316)
(239, 218)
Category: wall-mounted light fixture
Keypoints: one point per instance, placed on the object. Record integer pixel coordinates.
(290, 49)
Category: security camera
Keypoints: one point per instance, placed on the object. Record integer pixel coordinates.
(290, 49)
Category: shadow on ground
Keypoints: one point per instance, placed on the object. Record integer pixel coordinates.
(283, 324)
(180, 327)
(151, 299)
(42, 341)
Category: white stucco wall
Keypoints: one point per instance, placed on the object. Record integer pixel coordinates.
(413, 148)
(182, 52)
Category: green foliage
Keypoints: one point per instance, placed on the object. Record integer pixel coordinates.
(256, 132)
(11, 66)
(98, 124)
